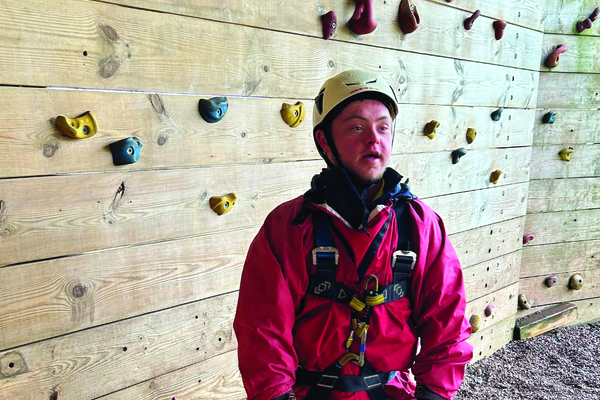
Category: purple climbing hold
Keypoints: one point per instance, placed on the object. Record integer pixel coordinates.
(469, 21)
(583, 25)
(551, 281)
(363, 19)
(594, 14)
(329, 21)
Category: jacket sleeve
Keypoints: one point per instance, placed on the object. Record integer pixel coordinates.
(265, 317)
(439, 311)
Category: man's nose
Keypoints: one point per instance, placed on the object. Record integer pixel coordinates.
(371, 135)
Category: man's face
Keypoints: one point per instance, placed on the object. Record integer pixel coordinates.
(363, 136)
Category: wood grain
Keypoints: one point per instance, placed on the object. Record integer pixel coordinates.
(571, 126)
(563, 15)
(587, 311)
(105, 359)
(549, 259)
(569, 91)
(492, 275)
(547, 195)
(177, 54)
(581, 55)
(547, 164)
(539, 294)
(564, 226)
(504, 302)
(487, 341)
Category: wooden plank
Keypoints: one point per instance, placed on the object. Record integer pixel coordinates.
(481, 207)
(563, 194)
(59, 296)
(545, 320)
(441, 31)
(530, 13)
(174, 134)
(504, 302)
(79, 213)
(580, 57)
(547, 164)
(571, 126)
(539, 294)
(103, 360)
(560, 257)
(215, 378)
(475, 246)
(564, 226)
(563, 15)
(587, 311)
(239, 60)
(492, 275)
(569, 91)
(487, 341)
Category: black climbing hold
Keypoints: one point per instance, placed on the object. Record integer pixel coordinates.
(126, 151)
(213, 110)
(549, 117)
(457, 154)
(497, 114)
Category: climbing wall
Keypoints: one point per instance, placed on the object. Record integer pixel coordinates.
(564, 196)
(120, 281)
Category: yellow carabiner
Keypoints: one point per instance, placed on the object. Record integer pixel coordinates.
(347, 357)
(368, 280)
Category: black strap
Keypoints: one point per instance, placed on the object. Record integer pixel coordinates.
(326, 265)
(423, 392)
(324, 382)
(372, 250)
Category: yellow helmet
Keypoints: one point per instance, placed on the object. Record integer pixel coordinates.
(341, 90)
(348, 84)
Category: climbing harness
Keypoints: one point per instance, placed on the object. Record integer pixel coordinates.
(323, 284)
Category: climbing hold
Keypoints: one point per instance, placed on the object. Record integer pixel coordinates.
(565, 154)
(469, 21)
(471, 135)
(553, 58)
(293, 115)
(408, 16)
(583, 25)
(497, 114)
(576, 282)
(431, 128)
(475, 322)
(81, 127)
(213, 110)
(329, 22)
(126, 151)
(528, 238)
(363, 19)
(551, 281)
(499, 26)
(523, 302)
(223, 204)
(594, 14)
(488, 310)
(549, 117)
(495, 176)
(457, 154)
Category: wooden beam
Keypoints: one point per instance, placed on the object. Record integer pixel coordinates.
(174, 135)
(549, 195)
(587, 311)
(122, 53)
(546, 162)
(566, 13)
(581, 56)
(559, 257)
(571, 126)
(492, 275)
(102, 360)
(504, 301)
(569, 91)
(545, 320)
(441, 31)
(564, 226)
(487, 341)
(538, 294)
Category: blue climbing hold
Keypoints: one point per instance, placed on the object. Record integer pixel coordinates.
(213, 110)
(549, 118)
(126, 151)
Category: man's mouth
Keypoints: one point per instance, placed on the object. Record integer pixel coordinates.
(372, 156)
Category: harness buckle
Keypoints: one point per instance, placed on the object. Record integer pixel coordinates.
(325, 250)
(375, 381)
(327, 381)
(405, 257)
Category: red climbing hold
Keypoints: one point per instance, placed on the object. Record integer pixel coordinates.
(363, 19)
(552, 60)
(499, 28)
(594, 14)
(527, 238)
(329, 21)
(583, 25)
(408, 16)
(469, 21)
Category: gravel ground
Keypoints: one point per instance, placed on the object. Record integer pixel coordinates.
(560, 364)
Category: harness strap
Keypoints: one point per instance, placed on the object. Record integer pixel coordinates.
(324, 382)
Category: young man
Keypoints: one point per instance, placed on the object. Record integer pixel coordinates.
(341, 283)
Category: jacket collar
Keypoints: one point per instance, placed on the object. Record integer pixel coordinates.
(334, 188)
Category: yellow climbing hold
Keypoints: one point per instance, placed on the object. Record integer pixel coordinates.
(523, 302)
(471, 134)
(431, 128)
(223, 204)
(475, 322)
(293, 115)
(81, 127)
(576, 282)
(565, 154)
(495, 176)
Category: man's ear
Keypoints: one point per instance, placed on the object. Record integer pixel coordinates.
(320, 135)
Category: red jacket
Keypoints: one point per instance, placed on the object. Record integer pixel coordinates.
(278, 326)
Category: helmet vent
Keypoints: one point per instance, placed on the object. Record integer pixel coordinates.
(319, 101)
(373, 81)
(352, 83)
